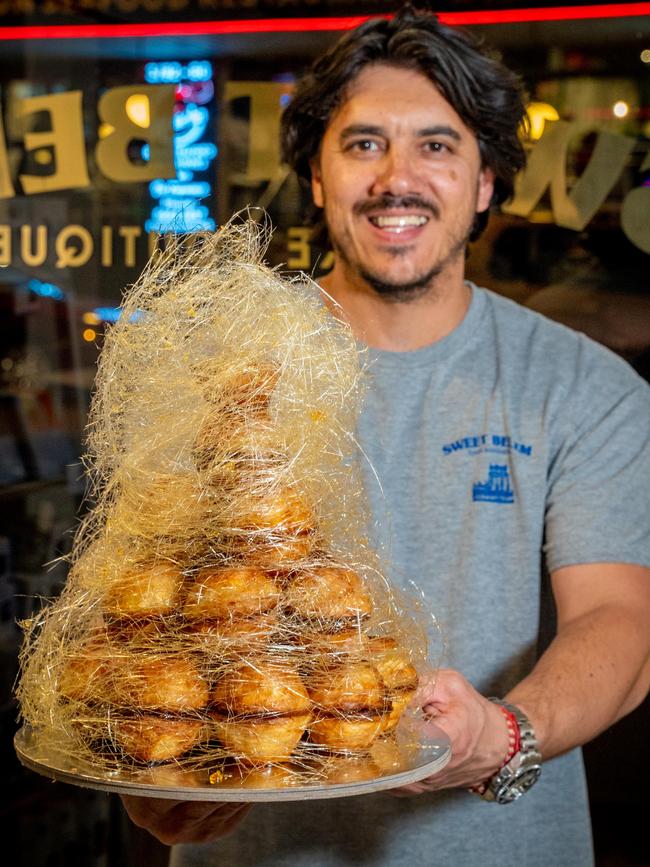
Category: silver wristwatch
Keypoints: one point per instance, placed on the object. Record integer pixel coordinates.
(524, 768)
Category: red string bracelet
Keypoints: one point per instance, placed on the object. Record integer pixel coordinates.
(514, 743)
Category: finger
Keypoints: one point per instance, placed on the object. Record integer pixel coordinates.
(220, 822)
(426, 689)
(142, 811)
(199, 811)
(403, 792)
(449, 687)
(410, 790)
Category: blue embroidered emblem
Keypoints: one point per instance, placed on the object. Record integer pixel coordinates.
(497, 488)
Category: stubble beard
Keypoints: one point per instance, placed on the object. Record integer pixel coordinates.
(422, 284)
(405, 291)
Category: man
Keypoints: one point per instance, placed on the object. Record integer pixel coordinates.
(501, 440)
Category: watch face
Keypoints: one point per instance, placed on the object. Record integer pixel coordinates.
(520, 783)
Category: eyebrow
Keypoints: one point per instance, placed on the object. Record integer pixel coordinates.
(356, 129)
(439, 130)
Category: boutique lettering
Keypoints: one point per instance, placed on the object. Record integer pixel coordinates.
(74, 246)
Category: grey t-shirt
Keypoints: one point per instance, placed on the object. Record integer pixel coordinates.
(511, 441)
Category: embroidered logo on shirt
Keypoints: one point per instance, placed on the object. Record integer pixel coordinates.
(497, 487)
(479, 443)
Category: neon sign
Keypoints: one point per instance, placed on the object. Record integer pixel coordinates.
(46, 290)
(179, 201)
(172, 72)
(113, 314)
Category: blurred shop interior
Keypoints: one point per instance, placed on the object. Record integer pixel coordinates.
(130, 123)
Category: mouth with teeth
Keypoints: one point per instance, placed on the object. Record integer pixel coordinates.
(398, 223)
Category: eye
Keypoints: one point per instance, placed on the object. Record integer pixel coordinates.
(437, 147)
(363, 146)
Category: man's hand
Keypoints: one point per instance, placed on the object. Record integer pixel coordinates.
(475, 726)
(174, 822)
(595, 671)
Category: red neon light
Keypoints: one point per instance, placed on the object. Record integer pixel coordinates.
(292, 25)
(553, 13)
(179, 28)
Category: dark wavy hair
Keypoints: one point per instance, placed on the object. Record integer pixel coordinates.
(486, 95)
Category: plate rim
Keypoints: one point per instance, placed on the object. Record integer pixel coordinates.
(434, 734)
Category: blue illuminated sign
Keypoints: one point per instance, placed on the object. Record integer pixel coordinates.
(172, 72)
(179, 205)
(107, 314)
(46, 290)
(112, 314)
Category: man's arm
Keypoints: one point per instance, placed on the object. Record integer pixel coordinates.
(598, 667)
(595, 671)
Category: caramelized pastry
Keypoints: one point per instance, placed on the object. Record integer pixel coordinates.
(146, 591)
(273, 529)
(86, 671)
(275, 551)
(261, 739)
(332, 647)
(353, 732)
(238, 451)
(328, 595)
(393, 664)
(250, 386)
(260, 686)
(398, 674)
(350, 707)
(158, 683)
(235, 635)
(253, 386)
(236, 591)
(261, 710)
(280, 509)
(151, 738)
(347, 687)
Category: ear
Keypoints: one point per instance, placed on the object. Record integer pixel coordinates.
(485, 189)
(316, 182)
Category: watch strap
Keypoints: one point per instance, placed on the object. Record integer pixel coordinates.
(522, 769)
(514, 740)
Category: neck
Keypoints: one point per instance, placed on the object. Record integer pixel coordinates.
(400, 326)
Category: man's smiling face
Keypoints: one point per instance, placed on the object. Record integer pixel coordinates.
(400, 179)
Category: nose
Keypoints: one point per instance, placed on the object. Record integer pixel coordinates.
(395, 173)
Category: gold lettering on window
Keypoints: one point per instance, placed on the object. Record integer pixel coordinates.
(547, 167)
(65, 137)
(112, 152)
(5, 246)
(298, 247)
(107, 246)
(129, 233)
(327, 262)
(263, 130)
(70, 254)
(635, 213)
(153, 243)
(6, 187)
(30, 256)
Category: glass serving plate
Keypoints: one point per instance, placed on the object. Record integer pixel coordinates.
(418, 749)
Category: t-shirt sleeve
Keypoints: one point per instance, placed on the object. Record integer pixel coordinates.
(598, 503)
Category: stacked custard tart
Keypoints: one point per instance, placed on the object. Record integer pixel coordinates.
(223, 604)
(264, 647)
